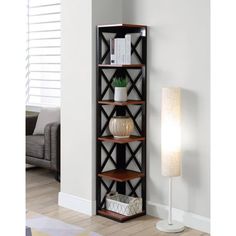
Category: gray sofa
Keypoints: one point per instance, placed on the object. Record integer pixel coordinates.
(43, 150)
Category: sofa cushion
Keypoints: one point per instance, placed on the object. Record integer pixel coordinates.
(46, 116)
(35, 146)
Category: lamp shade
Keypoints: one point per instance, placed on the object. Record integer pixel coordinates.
(171, 132)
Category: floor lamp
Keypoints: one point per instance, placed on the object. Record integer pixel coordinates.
(170, 149)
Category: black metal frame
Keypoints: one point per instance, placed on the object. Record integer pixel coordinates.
(122, 162)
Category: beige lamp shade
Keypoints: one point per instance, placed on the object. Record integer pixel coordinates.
(171, 132)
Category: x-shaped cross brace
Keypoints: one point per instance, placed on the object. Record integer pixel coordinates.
(108, 155)
(133, 189)
(133, 153)
(108, 189)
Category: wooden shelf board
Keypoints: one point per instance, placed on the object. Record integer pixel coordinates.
(132, 138)
(114, 103)
(118, 217)
(122, 25)
(121, 175)
(121, 65)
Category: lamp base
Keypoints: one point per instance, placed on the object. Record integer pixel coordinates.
(175, 227)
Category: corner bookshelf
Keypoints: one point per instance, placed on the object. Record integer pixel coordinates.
(120, 163)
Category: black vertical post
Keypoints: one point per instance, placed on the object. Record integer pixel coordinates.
(98, 119)
(144, 115)
(120, 154)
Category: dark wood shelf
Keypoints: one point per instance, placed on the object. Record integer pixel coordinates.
(120, 148)
(114, 103)
(111, 139)
(121, 175)
(122, 25)
(118, 217)
(121, 66)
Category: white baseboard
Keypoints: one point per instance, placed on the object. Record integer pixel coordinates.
(158, 210)
(187, 218)
(76, 203)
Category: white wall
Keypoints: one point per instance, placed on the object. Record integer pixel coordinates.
(76, 118)
(79, 19)
(178, 55)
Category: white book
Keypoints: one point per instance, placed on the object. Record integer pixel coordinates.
(121, 51)
(128, 49)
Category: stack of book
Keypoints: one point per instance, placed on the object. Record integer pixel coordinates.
(120, 50)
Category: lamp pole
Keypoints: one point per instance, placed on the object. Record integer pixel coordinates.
(170, 201)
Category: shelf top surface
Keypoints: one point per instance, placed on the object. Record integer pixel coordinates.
(121, 175)
(132, 138)
(121, 65)
(122, 25)
(117, 216)
(114, 103)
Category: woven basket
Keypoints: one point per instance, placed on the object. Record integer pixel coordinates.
(123, 204)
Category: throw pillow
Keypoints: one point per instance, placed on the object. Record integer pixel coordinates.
(46, 116)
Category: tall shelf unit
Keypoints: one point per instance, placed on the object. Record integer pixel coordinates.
(121, 163)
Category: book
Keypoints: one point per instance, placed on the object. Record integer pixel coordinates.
(116, 42)
(122, 51)
(119, 50)
(128, 49)
(112, 52)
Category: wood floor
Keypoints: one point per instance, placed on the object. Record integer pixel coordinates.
(41, 197)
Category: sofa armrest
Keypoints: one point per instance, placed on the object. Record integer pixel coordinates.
(52, 144)
(30, 124)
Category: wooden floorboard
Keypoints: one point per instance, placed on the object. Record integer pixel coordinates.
(42, 197)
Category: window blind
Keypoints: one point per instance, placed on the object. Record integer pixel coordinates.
(43, 69)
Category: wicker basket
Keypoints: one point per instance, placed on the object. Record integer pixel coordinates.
(123, 204)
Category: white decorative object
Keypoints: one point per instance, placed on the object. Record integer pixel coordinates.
(170, 149)
(121, 126)
(120, 94)
(123, 204)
